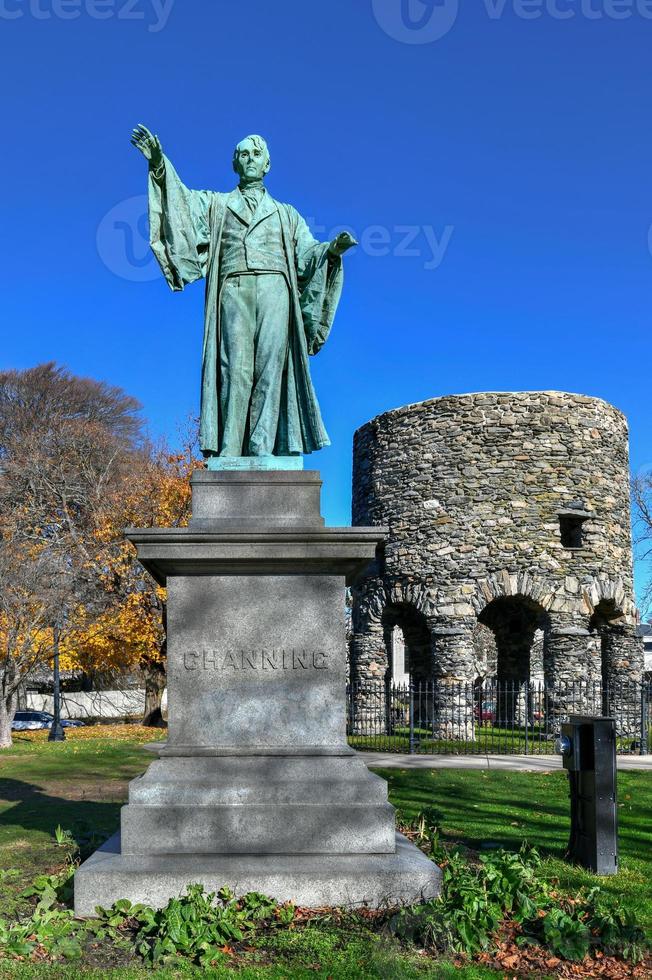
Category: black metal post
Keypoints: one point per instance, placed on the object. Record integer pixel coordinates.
(411, 715)
(57, 733)
(588, 747)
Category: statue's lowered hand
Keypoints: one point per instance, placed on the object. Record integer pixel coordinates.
(342, 243)
(148, 144)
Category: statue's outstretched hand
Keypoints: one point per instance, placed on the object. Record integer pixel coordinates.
(148, 144)
(342, 243)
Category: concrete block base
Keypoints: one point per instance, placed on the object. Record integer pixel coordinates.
(312, 880)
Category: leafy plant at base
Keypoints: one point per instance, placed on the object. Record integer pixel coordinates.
(14, 939)
(616, 926)
(472, 904)
(50, 889)
(195, 927)
(477, 899)
(566, 935)
(198, 927)
(52, 929)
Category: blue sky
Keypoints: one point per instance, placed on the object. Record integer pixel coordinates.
(494, 158)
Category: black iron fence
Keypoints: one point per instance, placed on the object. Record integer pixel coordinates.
(496, 717)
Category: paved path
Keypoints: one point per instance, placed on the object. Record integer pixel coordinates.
(521, 763)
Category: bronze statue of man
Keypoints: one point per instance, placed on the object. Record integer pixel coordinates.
(271, 295)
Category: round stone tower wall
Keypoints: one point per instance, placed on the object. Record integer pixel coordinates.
(511, 510)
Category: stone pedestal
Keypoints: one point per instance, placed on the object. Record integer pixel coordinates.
(256, 787)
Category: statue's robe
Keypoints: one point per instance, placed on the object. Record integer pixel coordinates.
(185, 236)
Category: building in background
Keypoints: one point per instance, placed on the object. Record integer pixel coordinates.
(509, 548)
(645, 633)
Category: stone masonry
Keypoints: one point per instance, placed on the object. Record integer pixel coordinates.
(506, 509)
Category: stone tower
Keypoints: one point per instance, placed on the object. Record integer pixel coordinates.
(505, 509)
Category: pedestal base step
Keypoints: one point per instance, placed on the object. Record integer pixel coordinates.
(311, 880)
(258, 829)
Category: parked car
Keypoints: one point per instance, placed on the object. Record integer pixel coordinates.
(484, 712)
(27, 721)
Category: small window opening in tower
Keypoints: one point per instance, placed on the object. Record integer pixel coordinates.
(572, 532)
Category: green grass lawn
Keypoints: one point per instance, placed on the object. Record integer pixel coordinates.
(81, 785)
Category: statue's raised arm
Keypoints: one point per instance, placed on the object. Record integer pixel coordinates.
(149, 145)
(178, 216)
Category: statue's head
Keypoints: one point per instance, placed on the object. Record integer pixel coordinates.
(251, 158)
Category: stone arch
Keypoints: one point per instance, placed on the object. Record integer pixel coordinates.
(514, 621)
(417, 637)
(412, 594)
(376, 611)
(377, 606)
(520, 625)
(602, 593)
(619, 648)
(504, 583)
(370, 602)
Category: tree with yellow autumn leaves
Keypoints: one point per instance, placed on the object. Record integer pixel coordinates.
(75, 469)
(130, 632)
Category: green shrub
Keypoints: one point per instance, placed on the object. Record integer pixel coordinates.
(477, 899)
(195, 927)
(50, 927)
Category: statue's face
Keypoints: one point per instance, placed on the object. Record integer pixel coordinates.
(251, 160)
